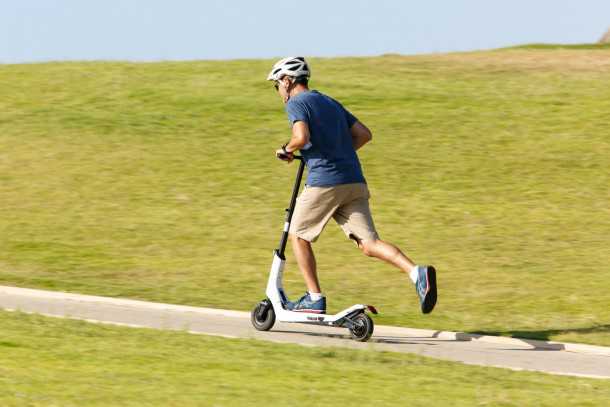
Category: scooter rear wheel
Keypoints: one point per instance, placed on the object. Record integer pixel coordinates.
(362, 328)
(263, 316)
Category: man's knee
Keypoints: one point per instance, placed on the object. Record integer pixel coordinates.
(297, 240)
(367, 247)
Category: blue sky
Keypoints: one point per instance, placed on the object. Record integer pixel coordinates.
(150, 30)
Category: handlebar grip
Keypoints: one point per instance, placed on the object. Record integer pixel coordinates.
(285, 157)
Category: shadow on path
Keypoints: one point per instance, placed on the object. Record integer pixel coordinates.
(544, 335)
(533, 337)
(406, 340)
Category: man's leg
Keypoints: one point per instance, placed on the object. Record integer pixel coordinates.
(307, 262)
(386, 252)
(424, 277)
(313, 301)
(357, 223)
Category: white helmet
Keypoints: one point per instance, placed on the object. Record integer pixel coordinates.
(291, 66)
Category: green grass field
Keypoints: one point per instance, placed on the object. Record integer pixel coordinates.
(157, 181)
(563, 46)
(48, 362)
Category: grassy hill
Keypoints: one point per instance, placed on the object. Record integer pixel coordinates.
(599, 46)
(157, 181)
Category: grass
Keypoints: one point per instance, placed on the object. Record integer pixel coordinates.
(47, 361)
(599, 46)
(157, 181)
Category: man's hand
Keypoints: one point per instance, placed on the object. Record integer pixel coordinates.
(283, 155)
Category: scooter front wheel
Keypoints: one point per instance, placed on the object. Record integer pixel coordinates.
(263, 316)
(362, 327)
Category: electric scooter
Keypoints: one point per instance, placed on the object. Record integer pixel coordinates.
(273, 307)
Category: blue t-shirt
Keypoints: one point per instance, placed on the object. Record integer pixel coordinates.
(331, 158)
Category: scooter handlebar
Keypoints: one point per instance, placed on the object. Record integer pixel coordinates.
(284, 157)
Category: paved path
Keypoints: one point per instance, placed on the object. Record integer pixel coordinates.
(517, 354)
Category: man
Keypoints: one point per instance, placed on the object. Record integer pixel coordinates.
(328, 136)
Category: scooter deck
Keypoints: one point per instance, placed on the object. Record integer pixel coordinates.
(284, 315)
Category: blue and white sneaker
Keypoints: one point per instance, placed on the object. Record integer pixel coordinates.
(306, 304)
(426, 288)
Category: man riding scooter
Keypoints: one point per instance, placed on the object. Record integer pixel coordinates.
(328, 136)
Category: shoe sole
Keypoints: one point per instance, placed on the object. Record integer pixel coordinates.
(430, 298)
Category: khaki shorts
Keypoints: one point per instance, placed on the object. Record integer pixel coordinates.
(348, 204)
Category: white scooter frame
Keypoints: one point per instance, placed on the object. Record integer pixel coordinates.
(265, 313)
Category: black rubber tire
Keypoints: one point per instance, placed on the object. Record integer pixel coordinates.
(363, 329)
(267, 320)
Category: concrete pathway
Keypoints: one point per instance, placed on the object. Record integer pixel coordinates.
(511, 353)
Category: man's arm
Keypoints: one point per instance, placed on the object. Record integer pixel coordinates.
(299, 139)
(360, 135)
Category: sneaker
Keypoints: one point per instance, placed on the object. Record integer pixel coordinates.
(426, 288)
(306, 304)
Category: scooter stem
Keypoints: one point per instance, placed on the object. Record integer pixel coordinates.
(290, 209)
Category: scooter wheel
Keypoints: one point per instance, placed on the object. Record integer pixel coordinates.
(263, 316)
(362, 328)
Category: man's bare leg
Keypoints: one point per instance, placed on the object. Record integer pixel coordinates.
(386, 252)
(307, 262)
(424, 278)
